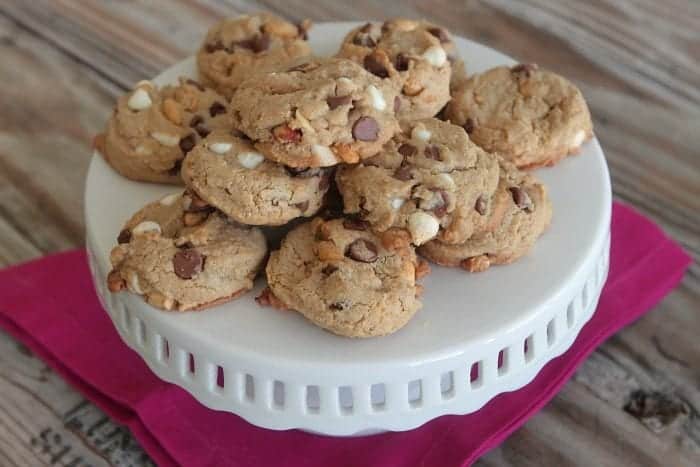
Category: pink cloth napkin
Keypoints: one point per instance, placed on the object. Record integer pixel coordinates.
(50, 305)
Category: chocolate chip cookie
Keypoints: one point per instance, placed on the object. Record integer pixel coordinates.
(414, 54)
(428, 181)
(151, 129)
(236, 48)
(317, 113)
(342, 278)
(519, 213)
(180, 254)
(531, 116)
(228, 173)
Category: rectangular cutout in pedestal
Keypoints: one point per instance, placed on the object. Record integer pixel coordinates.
(503, 362)
(278, 394)
(220, 377)
(570, 315)
(161, 348)
(345, 399)
(249, 388)
(415, 393)
(191, 366)
(529, 349)
(141, 333)
(551, 333)
(378, 396)
(475, 375)
(313, 399)
(447, 385)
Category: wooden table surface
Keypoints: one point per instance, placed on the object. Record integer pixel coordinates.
(64, 62)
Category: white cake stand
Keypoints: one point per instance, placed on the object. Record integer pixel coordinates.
(477, 335)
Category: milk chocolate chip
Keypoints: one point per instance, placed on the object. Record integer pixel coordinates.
(188, 263)
(365, 129)
(362, 250)
(337, 101)
(521, 198)
(373, 64)
(124, 236)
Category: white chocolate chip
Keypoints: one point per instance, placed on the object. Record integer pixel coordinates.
(421, 133)
(324, 154)
(396, 203)
(431, 202)
(250, 160)
(134, 285)
(165, 139)
(578, 139)
(304, 123)
(146, 226)
(435, 55)
(445, 181)
(376, 97)
(344, 86)
(169, 200)
(142, 150)
(220, 148)
(422, 227)
(144, 83)
(139, 100)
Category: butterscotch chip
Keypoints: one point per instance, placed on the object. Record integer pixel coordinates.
(194, 218)
(172, 112)
(267, 298)
(412, 88)
(346, 153)
(422, 268)
(174, 266)
(98, 142)
(159, 300)
(189, 96)
(368, 291)
(327, 251)
(114, 282)
(394, 239)
(476, 263)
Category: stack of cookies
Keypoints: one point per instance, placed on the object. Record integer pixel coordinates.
(373, 159)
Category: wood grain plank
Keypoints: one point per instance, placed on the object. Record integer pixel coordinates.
(43, 421)
(45, 139)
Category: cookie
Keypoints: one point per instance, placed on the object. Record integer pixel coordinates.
(179, 254)
(414, 54)
(228, 173)
(429, 181)
(519, 213)
(339, 276)
(236, 48)
(316, 114)
(531, 116)
(151, 130)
